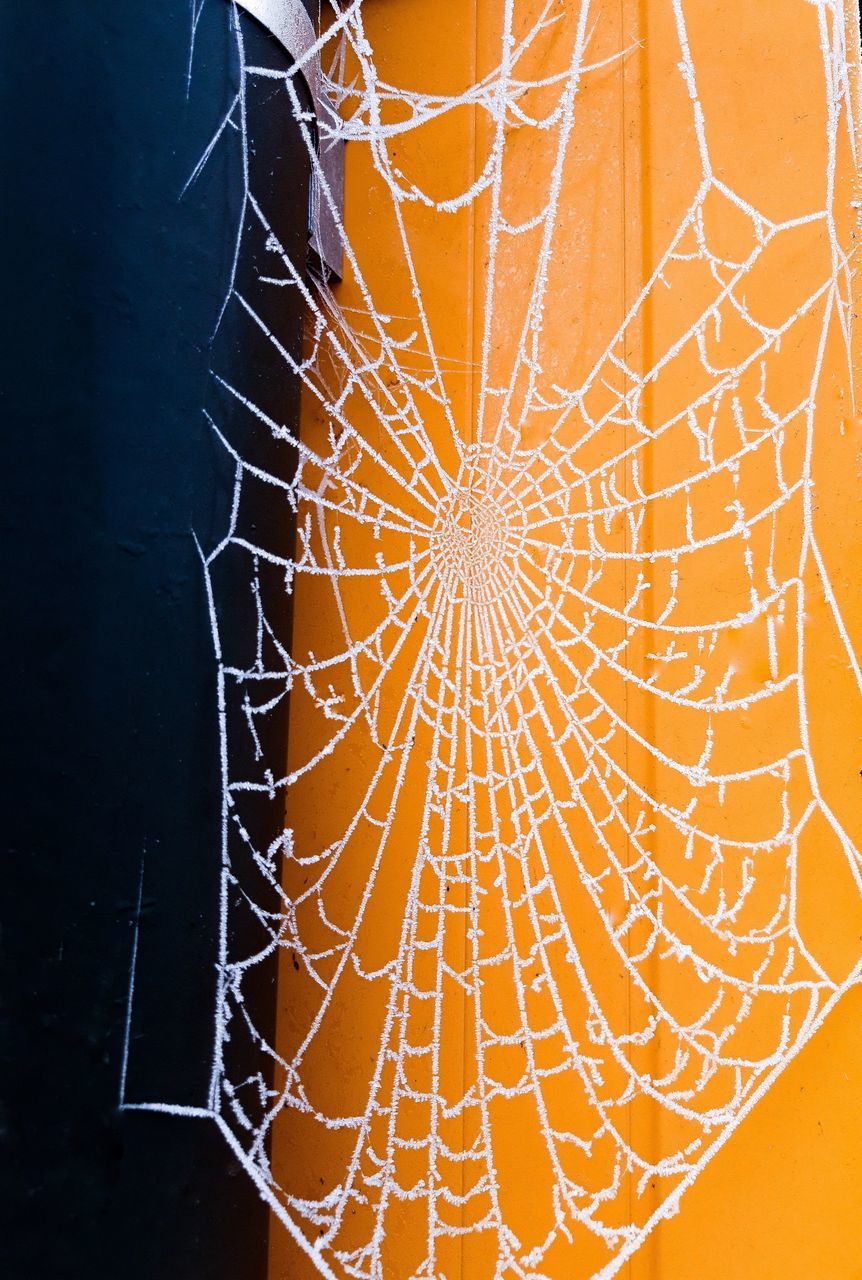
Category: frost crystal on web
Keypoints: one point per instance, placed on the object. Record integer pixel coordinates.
(549, 771)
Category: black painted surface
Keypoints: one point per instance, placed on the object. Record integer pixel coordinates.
(113, 286)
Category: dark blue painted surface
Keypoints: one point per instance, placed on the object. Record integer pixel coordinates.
(112, 287)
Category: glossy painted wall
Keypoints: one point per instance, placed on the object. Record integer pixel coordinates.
(781, 1197)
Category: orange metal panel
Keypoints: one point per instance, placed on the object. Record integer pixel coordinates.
(574, 736)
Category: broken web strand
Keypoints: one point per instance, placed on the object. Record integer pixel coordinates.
(478, 587)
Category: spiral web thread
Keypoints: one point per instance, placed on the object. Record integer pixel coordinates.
(579, 929)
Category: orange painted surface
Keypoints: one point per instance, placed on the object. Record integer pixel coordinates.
(755, 518)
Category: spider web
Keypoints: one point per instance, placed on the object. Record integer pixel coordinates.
(545, 793)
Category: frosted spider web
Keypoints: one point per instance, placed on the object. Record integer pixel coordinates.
(537, 893)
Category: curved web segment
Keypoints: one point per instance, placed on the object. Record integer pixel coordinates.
(551, 777)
